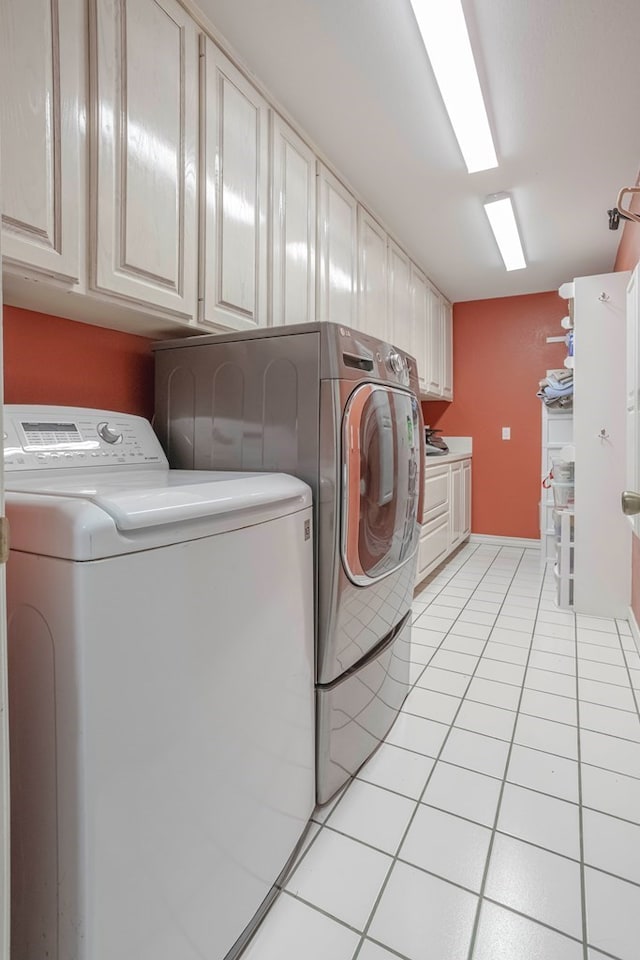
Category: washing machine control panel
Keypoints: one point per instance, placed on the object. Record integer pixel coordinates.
(46, 438)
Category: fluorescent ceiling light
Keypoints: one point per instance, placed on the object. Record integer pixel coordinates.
(505, 229)
(445, 36)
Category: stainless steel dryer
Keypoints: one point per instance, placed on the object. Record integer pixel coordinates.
(338, 409)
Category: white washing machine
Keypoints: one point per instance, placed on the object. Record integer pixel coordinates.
(161, 691)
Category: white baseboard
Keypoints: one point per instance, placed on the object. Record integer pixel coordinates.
(635, 629)
(521, 542)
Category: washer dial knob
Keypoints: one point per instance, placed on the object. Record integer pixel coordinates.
(107, 433)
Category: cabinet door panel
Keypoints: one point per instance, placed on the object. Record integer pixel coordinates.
(235, 188)
(420, 315)
(400, 299)
(457, 503)
(337, 251)
(466, 496)
(372, 276)
(41, 112)
(145, 216)
(293, 226)
(447, 350)
(435, 335)
(436, 492)
(433, 545)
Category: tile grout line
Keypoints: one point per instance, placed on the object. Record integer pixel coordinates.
(453, 883)
(616, 686)
(322, 824)
(583, 888)
(440, 751)
(527, 746)
(417, 804)
(514, 783)
(634, 692)
(494, 829)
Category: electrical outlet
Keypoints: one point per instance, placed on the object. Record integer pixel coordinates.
(506, 433)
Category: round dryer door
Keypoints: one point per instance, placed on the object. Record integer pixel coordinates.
(381, 481)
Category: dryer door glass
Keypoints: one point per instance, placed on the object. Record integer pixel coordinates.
(381, 470)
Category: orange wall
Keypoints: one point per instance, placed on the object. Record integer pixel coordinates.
(500, 354)
(50, 360)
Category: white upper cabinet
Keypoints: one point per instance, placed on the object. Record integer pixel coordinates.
(447, 350)
(434, 344)
(234, 192)
(420, 320)
(293, 226)
(372, 276)
(401, 333)
(42, 53)
(144, 138)
(337, 268)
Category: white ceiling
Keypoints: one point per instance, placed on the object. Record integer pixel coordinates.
(561, 80)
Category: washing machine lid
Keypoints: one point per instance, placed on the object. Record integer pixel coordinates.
(87, 516)
(152, 498)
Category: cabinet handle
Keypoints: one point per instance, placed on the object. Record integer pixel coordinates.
(630, 503)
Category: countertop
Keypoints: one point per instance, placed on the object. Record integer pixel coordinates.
(459, 449)
(446, 458)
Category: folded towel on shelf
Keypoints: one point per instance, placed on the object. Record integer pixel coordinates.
(565, 401)
(551, 391)
(556, 390)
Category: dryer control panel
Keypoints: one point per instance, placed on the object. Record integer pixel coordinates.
(46, 437)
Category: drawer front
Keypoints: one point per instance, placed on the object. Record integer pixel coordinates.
(356, 714)
(436, 492)
(434, 544)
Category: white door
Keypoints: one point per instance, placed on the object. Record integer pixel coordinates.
(4, 711)
(400, 299)
(293, 226)
(235, 185)
(144, 215)
(372, 276)
(602, 564)
(337, 248)
(41, 112)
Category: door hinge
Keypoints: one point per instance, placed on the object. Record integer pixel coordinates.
(4, 539)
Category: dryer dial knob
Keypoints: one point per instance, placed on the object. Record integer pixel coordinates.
(107, 433)
(394, 361)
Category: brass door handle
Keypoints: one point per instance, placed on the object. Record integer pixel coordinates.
(630, 503)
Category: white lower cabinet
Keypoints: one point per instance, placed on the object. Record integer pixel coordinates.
(466, 498)
(434, 545)
(456, 512)
(446, 518)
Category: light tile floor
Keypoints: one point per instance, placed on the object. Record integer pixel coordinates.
(500, 820)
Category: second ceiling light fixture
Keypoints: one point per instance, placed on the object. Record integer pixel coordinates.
(446, 39)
